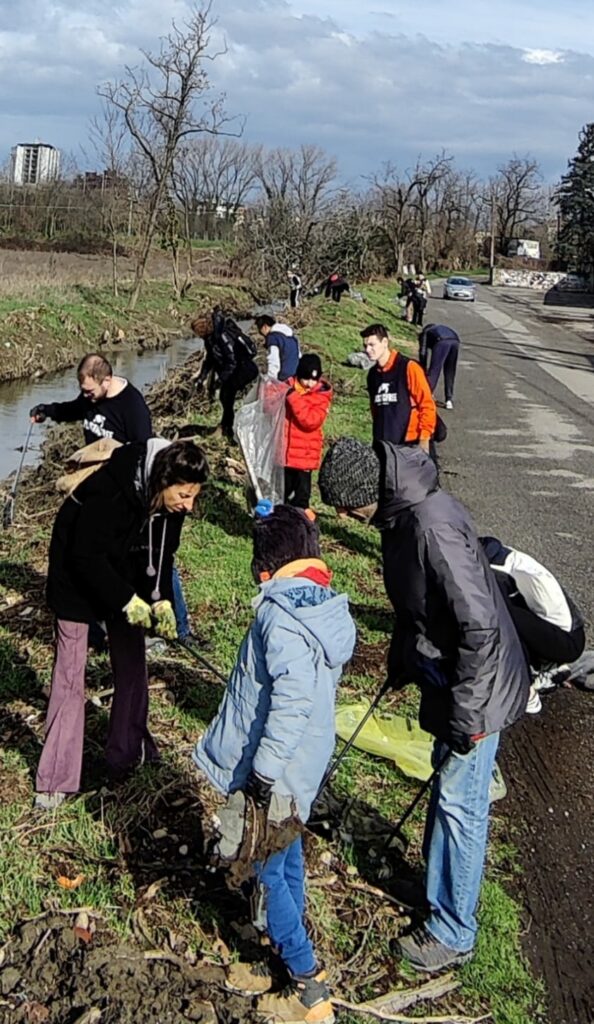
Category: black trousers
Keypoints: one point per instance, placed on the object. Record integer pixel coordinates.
(242, 375)
(297, 487)
(418, 304)
(295, 297)
(444, 354)
(544, 643)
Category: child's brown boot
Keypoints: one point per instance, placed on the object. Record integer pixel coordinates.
(304, 1001)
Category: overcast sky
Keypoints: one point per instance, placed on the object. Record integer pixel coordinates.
(369, 82)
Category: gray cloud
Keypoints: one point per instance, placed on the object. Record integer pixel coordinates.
(367, 99)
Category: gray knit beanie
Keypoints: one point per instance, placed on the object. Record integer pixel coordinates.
(349, 475)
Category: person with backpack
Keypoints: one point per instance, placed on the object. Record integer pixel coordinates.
(454, 637)
(269, 745)
(230, 354)
(306, 407)
(548, 623)
(282, 347)
(402, 406)
(444, 345)
(111, 558)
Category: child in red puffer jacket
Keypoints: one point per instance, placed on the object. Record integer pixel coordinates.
(307, 405)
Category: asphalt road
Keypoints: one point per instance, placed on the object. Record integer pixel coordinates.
(520, 455)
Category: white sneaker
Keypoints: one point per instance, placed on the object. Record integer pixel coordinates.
(534, 704)
(49, 801)
(550, 679)
(449, 404)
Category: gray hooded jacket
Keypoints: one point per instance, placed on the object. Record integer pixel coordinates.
(453, 633)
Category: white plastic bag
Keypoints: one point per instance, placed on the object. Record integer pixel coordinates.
(260, 431)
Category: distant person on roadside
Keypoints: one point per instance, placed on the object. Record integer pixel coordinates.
(407, 292)
(444, 344)
(419, 303)
(282, 347)
(111, 558)
(108, 406)
(402, 406)
(548, 623)
(306, 407)
(230, 356)
(335, 287)
(454, 637)
(295, 288)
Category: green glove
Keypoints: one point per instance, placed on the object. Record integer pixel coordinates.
(164, 617)
(138, 612)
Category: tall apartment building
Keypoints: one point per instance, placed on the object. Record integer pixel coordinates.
(34, 163)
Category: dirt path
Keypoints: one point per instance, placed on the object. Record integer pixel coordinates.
(520, 454)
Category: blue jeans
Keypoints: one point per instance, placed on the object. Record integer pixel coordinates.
(455, 842)
(179, 606)
(283, 880)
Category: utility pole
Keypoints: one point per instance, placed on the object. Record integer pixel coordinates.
(492, 245)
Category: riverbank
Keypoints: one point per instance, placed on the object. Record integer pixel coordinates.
(64, 307)
(133, 854)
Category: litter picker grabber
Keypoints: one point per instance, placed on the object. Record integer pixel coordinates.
(8, 510)
(352, 739)
(191, 649)
(397, 828)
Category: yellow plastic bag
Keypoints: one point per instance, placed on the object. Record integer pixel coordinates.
(399, 739)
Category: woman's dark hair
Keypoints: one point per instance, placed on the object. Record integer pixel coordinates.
(182, 462)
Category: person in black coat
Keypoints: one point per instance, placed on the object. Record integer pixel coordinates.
(230, 355)
(453, 636)
(111, 557)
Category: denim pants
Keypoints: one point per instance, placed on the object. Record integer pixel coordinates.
(455, 841)
(179, 606)
(283, 880)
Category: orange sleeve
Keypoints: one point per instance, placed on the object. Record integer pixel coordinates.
(420, 392)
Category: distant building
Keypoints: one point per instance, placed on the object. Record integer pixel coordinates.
(34, 163)
(528, 247)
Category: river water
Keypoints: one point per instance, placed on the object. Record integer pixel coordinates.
(18, 396)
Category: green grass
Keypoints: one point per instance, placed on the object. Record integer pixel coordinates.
(215, 562)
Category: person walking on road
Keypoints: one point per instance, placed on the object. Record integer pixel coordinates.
(402, 405)
(111, 558)
(454, 637)
(444, 344)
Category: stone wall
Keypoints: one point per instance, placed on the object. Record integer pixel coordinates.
(540, 280)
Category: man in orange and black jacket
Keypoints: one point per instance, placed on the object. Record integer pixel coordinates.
(402, 405)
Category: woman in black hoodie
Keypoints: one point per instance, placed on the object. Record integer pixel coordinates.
(111, 557)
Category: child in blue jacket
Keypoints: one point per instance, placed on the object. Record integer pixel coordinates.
(274, 735)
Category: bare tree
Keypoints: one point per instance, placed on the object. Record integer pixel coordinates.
(426, 177)
(394, 199)
(109, 136)
(518, 195)
(212, 177)
(157, 102)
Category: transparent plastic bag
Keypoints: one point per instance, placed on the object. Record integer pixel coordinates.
(399, 739)
(260, 430)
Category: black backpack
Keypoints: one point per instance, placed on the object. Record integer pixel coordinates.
(240, 338)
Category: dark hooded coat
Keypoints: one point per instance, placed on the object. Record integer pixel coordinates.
(104, 540)
(453, 632)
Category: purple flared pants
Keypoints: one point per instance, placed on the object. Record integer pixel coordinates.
(128, 738)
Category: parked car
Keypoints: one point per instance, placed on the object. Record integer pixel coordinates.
(459, 288)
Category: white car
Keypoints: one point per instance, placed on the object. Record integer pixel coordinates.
(459, 288)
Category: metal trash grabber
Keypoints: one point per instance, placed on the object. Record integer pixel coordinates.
(352, 739)
(199, 657)
(397, 828)
(8, 510)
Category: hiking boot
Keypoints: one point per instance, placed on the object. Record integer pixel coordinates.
(449, 404)
(48, 801)
(534, 703)
(248, 979)
(426, 953)
(304, 1001)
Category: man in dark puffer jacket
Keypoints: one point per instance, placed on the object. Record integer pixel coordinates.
(455, 638)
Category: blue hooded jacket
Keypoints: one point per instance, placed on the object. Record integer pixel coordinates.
(277, 715)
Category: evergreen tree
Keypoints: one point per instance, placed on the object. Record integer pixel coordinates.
(575, 198)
